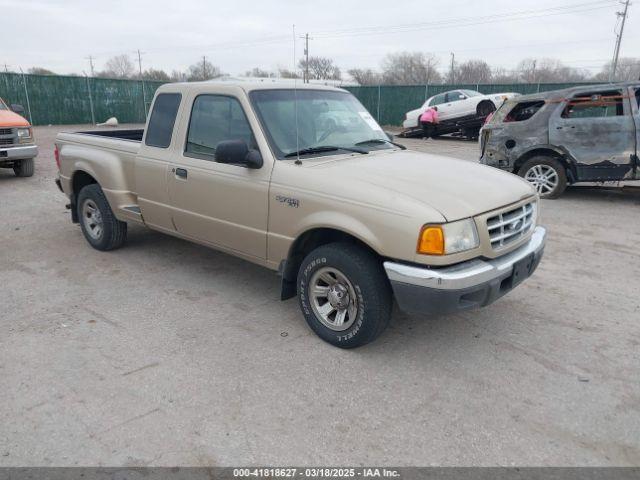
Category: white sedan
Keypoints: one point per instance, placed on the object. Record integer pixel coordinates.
(458, 104)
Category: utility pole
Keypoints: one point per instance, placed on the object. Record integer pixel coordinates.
(616, 53)
(90, 58)
(533, 71)
(204, 67)
(306, 54)
(452, 74)
(144, 94)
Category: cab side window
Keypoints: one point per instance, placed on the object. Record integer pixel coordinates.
(595, 105)
(638, 98)
(162, 120)
(454, 96)
(215, 119)
(438, 100)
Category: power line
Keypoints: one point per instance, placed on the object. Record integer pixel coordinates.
(468, 21)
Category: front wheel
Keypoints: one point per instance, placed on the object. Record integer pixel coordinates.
(344, 294)
(99, 225)
(546, 174)
(24, 168)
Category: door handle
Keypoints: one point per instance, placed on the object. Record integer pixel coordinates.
(180, 172)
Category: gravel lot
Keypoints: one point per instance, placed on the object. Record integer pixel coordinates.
(167, 353)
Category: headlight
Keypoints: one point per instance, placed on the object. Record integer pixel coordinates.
(24, 134)
(448, 238)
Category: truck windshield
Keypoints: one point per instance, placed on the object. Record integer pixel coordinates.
(325, 117)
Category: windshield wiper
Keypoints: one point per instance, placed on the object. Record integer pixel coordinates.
(324, 148)
(382, 140)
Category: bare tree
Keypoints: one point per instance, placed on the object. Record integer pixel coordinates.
(40, 71)
(321, 68)
(365, 76)
(410, 68)
(203, 70)
(473, 71)
(119, 66)
(258, 73)
(548, 70)
(156, 75)
(628, 69)
(286, 73)
(178, 76)
(502, 75)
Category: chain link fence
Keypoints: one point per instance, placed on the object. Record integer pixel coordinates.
(59, 100)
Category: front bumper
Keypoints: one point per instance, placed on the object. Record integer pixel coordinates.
(18, 153)
(475, 283)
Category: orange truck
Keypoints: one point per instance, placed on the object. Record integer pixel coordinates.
(17, 147)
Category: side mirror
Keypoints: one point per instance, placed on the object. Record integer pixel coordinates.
(461, 97)
(237, 152)
(389, 136)
(16, 108)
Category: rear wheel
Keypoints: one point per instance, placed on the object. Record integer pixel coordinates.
(485, 108)
(100, 227)
(547, 175)
(344, 294)
(24, 168)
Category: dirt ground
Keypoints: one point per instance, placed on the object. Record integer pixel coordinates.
(168, 353)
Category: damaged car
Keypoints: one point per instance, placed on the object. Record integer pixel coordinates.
(554, 139)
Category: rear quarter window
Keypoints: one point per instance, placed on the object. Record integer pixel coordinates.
(162, 120)
(523, 111)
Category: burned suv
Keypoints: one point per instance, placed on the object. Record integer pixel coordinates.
(580, 134)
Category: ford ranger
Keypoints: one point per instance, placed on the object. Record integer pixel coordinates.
(348, 218)
(17, 148)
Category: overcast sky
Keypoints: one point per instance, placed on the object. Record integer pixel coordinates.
(239, 35)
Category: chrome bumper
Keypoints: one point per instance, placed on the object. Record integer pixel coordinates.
(469, 284)
(18, 153)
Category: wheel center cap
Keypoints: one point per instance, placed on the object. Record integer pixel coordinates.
(338, 296)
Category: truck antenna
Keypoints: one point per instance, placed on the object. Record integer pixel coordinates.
(295, 97)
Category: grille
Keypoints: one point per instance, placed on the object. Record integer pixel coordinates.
(6, 141)
(5, 131)
(508, 227)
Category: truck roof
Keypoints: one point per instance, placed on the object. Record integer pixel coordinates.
(566, 92)
(224, 86)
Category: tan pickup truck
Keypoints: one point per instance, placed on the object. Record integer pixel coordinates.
(305, 182)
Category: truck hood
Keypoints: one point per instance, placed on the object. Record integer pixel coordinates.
(455, 188)
(10, 119)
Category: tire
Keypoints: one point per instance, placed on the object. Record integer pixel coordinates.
(24, 168)
(485, 108)
(547, 175)
(100, 227)
(365, 295)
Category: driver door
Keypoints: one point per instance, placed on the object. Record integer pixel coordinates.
(221, 204)
(455, 103)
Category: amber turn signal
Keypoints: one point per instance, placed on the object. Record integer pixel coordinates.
(431, 240)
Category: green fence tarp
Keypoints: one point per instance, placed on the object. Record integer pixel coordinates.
(59, 100)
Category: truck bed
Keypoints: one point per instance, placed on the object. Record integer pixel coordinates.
(135, 135)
